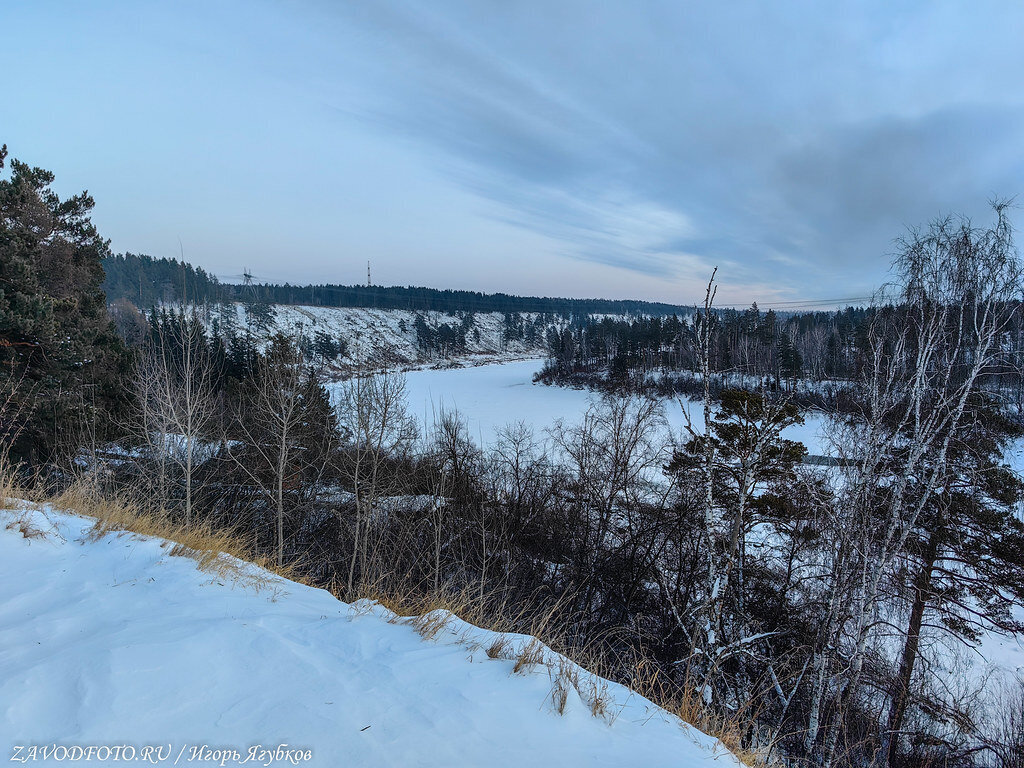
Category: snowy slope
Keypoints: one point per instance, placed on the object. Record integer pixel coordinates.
(118, 641)
(370, 332)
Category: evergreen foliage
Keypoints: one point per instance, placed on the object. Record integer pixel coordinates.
(146, 281)
(61, 358)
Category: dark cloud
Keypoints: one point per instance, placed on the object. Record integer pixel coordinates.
(656, 135)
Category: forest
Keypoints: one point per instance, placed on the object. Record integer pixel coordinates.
(805, 614)
(147, 281)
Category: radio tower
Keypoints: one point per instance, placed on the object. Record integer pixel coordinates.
(368, 283)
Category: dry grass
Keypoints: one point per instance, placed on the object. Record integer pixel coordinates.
(412, 600)
(559, 694)
(570, 667)
(686, 703)
(499, 648)
(26, 528)
(220, 552)
(530, 656)
(598, 698)
(429, 612)
(10, 489)
(430, 624)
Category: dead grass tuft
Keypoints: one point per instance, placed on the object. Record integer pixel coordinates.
(26, 528)
(9, 487)
(499, 648)
(428, 625)
(530, 656)
(559, 695)
(598, 698)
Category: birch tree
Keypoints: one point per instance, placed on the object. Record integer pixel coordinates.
(377, 430)
(925, 358)
(176, 405)
(270, 421)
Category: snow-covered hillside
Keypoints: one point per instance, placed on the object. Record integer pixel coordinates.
(390, 334)
(121, 642)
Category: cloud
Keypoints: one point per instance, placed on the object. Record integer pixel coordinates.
(788, 143)
(771, 141)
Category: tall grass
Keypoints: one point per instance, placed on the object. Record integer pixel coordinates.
(218, 550)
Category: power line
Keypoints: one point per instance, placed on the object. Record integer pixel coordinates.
(797, 303)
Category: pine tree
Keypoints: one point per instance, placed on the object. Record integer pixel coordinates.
(964, 563)
(61, 356)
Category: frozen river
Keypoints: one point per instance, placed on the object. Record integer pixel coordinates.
(491, 396)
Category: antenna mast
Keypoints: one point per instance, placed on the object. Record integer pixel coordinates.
(368, 283)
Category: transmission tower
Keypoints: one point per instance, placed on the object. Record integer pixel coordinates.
(247, 283)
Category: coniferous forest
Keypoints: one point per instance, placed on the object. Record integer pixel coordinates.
(805, 613)
(146, 281)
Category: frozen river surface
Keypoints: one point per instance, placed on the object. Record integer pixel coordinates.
(491, 396)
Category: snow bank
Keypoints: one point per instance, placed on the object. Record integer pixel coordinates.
(119, 642)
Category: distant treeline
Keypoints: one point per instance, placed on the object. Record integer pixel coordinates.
(146, 281)
(780, 350)
(814, 345)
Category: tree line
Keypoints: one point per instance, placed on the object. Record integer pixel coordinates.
(813, 356)
(147, 281)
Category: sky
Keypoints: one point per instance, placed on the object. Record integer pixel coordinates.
(605, 149)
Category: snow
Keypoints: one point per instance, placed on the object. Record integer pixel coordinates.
(118, 641)
(492, 396)
(1015, 457)
(369, 332)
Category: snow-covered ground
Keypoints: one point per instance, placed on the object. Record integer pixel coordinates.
(493, 395)
(121, 643)
(386, 334)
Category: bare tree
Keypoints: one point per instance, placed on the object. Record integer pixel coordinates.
(612, 462)
(270, 422)
(14, 405)
(377, 430)
(174, 391)
(925, 359)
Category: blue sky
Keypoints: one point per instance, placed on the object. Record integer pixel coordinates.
(558, 148)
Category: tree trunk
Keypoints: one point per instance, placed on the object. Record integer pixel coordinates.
(901, 685)
(282, 466)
